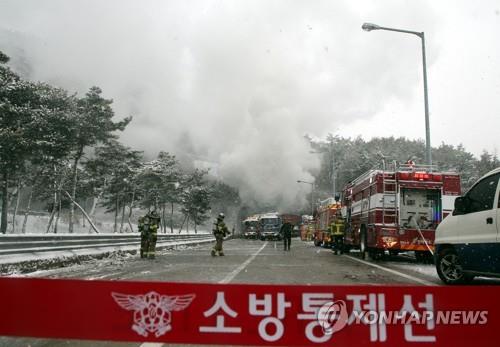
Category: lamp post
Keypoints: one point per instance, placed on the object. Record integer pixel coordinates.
(312, 190)
(370, 27)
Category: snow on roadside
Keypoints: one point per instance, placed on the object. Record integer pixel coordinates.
(30, 262)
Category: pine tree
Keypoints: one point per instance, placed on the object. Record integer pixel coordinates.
(195, 198)
(112, 175)
(159, 182)
(94, 125)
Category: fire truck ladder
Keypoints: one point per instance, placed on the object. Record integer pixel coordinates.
(389, 205)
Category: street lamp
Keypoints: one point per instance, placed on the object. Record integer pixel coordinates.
(370, 27)
(312, 190)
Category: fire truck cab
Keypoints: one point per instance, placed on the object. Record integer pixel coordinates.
(269, 226)
(398, 210)
(251, 227)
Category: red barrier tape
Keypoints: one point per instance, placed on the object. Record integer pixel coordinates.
(239, 314)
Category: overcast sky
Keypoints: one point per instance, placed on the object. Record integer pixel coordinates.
(238, 83)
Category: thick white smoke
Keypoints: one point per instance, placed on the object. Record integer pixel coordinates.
(236, 83)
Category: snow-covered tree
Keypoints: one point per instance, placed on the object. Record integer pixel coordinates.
(15, 111)
(195, 198)
(353, 157)
(223, 197)
(34, 128)
(112, 179)
(159, 182)
(94, 125)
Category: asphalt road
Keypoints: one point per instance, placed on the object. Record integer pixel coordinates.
(246, 261)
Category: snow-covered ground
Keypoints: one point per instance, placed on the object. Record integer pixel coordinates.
(37, 225)
(428, 270)
(93, 268)
(29, 262)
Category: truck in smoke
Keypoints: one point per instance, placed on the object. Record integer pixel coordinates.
(267, 226)
(270, 224)
(251, 227)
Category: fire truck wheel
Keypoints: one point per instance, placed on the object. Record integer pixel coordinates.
(449, 269)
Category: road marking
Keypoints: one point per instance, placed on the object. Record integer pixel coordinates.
(226, 279)
(242, 266)
(424, 282)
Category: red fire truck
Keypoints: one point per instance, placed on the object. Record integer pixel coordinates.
(325, 217)
(398, 210)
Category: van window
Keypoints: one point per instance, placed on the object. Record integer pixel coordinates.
(482, 195)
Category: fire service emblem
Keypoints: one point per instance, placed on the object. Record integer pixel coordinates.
(152, 311)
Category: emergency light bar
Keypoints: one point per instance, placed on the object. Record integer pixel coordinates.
(420, 176)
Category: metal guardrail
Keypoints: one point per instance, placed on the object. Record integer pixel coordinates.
(19, 244)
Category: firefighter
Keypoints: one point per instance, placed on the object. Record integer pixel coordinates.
(144, 236)
(151, 224)
(286, 231)
(338, 234)
(220, 231)
(410, 163)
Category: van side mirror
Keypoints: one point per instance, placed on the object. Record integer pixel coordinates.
(462, 204)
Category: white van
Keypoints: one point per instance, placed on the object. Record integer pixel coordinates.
(467, 243)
